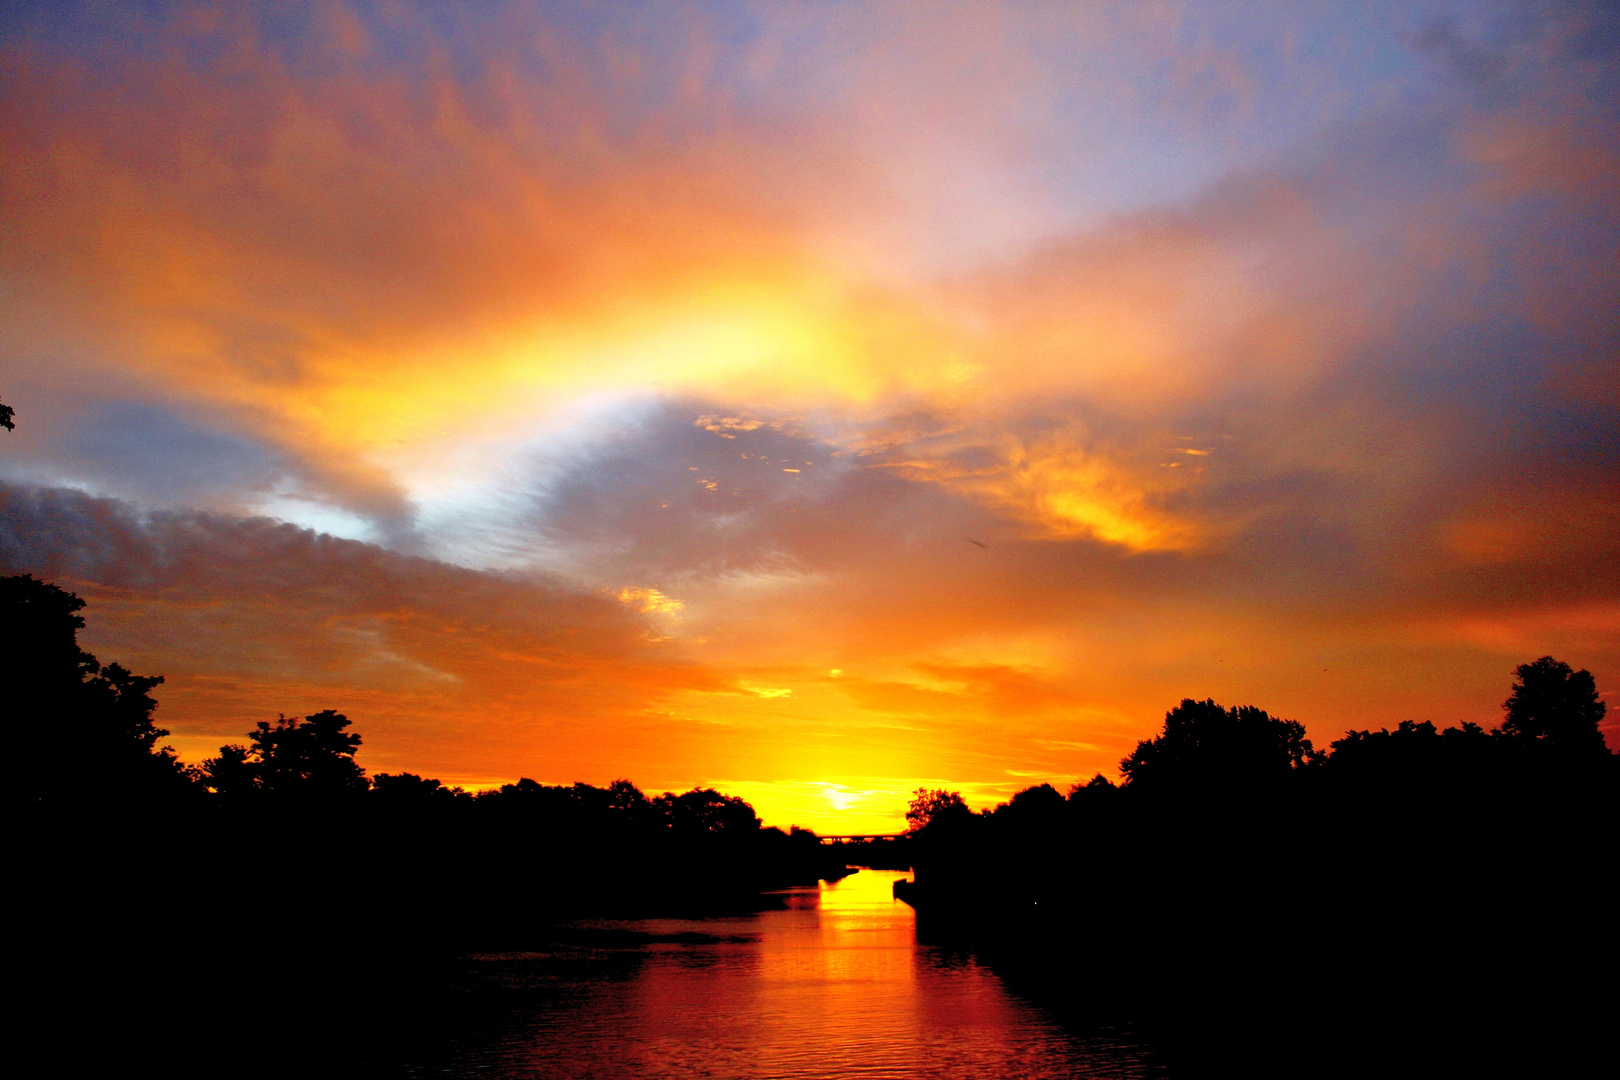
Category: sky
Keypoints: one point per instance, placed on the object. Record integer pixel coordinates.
(814, 401)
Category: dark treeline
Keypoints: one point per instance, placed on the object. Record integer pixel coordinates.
(1408, 892)
(1250, 898)
(293, 806)
(88, 759)
(279, 872)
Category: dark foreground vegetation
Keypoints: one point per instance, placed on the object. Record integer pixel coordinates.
(278, 878)
(1411, 900)
(1416, 900)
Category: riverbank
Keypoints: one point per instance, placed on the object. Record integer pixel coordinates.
(1305, 943)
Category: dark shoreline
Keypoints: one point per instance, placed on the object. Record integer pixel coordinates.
(1330, 962)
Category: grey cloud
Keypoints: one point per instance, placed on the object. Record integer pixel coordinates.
(1504, 49)
(255, 597)
(156, 456)
(691, 488)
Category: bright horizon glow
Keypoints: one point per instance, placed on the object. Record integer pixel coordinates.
(814, 403)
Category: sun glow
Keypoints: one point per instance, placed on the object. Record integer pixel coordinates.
(781, 344)
(824, 405)
(650, 601)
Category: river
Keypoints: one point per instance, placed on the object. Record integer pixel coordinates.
(834, 985)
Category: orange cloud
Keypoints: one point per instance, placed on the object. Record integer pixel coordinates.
(1001, 360)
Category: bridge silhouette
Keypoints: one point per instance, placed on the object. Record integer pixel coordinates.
(847, 838)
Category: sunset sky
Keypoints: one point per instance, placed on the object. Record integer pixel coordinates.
(814, 400)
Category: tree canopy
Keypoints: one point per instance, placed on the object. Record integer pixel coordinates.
(309, 757)
(1555, 706)
(1203, 744)
(706, 811)
(934, 807)
(78, 731)
(39, 625)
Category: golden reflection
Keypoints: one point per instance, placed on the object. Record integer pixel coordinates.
(835, 985)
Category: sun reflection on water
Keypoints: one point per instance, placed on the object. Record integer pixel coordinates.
(833, 985)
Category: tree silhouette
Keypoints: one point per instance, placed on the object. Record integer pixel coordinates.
(39, 625)
(704, 810)
(77, 729)
(627, 799)
(410, 791)
(1557, 707)
(933, 807)
(1204, 745)
(6, 414)
(1034, 803)
(1097, 783)
(312, 757)
(119, 742)
(232, 773)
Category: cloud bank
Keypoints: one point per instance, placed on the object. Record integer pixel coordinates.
(1028, 368)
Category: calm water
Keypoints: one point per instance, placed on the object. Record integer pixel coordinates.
(835, 986)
